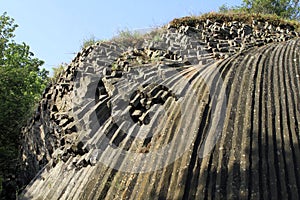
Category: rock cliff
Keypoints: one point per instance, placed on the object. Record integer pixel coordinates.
(206, 110)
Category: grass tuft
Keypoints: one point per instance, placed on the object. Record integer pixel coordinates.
(132, 38)
(235, 16)
(128, 38)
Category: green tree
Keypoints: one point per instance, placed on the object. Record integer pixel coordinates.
(21, 84)
(288, 9)
(225, 9)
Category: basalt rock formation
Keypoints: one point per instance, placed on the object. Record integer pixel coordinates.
(209, 110)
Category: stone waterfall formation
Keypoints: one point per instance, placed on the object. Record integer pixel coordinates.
(200, 111)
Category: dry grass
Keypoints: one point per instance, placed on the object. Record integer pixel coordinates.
(131, 38)
(234, 16)
(128, 38)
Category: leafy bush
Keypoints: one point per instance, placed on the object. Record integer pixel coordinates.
(21, 81)
(21, 84)
(287, 9)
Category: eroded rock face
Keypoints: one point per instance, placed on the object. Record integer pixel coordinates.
(201, 113)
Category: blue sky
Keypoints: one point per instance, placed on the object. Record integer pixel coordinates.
(55, 29)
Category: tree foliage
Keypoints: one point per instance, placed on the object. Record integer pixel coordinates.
(21, 80)
(288, 9)
(21, 83)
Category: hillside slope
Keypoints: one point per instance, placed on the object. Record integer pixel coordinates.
(207, 111)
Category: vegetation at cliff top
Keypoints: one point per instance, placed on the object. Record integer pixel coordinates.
(287, 13)
(127, 37)
(287, 9)
(235, 16)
